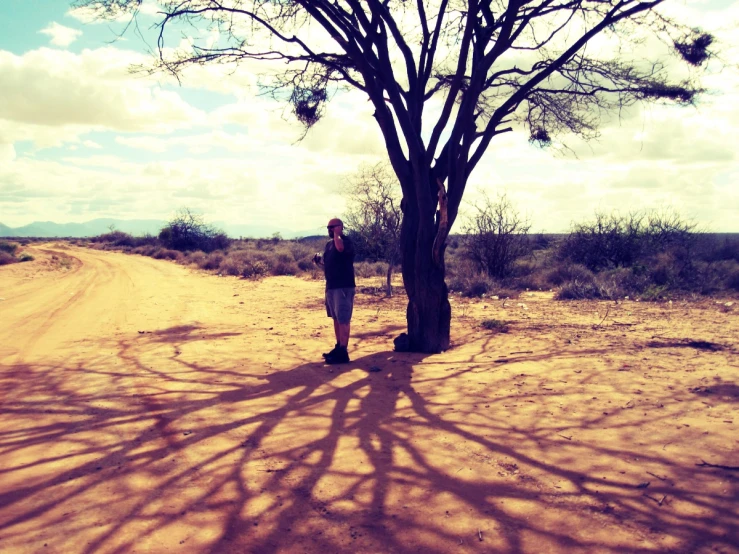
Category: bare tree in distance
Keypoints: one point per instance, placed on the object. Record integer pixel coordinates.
(612, 240)
(374, 216)
(187, 230)
(445, 77)
(496, 236)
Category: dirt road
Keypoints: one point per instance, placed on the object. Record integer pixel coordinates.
(147, 407)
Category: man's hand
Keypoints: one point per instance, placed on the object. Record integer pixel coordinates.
(338, 242)
(317, 259)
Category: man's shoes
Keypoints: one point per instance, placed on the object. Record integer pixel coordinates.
(338, 356)
(327, 354)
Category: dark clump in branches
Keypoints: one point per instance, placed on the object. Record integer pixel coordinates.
(694, 49)
(308, 103)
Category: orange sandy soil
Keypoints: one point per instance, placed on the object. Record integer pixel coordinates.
(148, 407)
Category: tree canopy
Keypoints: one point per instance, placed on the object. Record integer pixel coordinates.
(480, 67)
(444, 77)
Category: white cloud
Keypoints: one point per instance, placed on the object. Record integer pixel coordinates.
(238, 160)
(7, 152)
(53, 96)
(61, 35)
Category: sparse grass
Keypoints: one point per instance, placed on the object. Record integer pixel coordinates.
(495, 325)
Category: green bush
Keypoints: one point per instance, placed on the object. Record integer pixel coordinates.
(25, 257)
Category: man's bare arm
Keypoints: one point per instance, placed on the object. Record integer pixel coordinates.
(338, 241)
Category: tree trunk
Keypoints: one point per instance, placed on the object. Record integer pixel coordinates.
(429, 313)
(389, 286)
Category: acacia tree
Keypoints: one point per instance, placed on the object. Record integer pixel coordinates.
(374, 216)
(445, 77)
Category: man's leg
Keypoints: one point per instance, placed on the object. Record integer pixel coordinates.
(340, 355)
(337, 331)
(343, 313)
(343, 334)
(330, 313)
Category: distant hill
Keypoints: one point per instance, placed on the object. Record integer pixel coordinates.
(50, 229)
(257, 231)
(136, 227)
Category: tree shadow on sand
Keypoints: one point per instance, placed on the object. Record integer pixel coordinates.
(227, 457)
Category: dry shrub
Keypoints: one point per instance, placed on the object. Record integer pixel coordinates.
(564, 273)
(473, 285)
(148, 250)
(6, 258)
(733, 280)
(495, 325)
(8, 247)
(196, 257)
(579, 290)
(285, 268)
(300, 251)
(255, 270)
(211, 261)
(306, 265)
(230, 266)
(167, 254)
(370, 269)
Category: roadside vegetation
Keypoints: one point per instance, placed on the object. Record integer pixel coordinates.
(645, 255)
(11, 252)
(640, 255)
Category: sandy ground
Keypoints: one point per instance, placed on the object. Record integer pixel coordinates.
(147, 407)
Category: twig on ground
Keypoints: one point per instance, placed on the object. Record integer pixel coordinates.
(479, 535)
(565, 437)
(657, 476)
(523, 352)
(719, 466)
(608, 309)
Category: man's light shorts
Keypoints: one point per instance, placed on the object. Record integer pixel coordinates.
(340, 303)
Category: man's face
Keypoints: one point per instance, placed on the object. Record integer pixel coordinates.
(334, 227)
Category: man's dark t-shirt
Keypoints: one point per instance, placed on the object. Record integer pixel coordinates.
(339, 266)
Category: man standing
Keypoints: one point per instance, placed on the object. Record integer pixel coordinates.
(338, 266)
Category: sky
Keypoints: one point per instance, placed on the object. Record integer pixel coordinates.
(81, 137)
